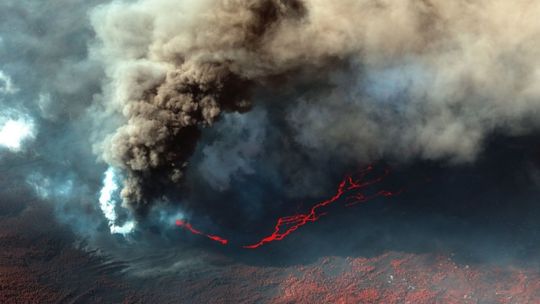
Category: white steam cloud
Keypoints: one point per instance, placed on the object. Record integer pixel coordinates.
(15, 127)
(109, 204)
(14, 132)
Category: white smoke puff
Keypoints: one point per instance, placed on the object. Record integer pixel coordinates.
(15, 131)
(15, 127)
(108, 204)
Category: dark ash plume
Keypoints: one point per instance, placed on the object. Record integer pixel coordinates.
(422, 79)
(163, 121)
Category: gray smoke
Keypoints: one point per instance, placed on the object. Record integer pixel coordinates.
(47, 82)
(283, 89)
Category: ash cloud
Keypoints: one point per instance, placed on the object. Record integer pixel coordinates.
(169, 83)
(201, 106)
(401, 80)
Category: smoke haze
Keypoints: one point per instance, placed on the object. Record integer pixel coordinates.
(143, 112)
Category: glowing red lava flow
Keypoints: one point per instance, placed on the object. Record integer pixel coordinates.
(190, 228)
(288, 224)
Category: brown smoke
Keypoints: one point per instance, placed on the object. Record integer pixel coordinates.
(174, 66)
(163, 119)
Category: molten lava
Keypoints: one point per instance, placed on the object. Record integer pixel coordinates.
(288, 224)
(190, 228)
(347, 189)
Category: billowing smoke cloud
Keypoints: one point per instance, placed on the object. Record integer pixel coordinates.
(203, 106)
(169, 83)
(362, 79)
